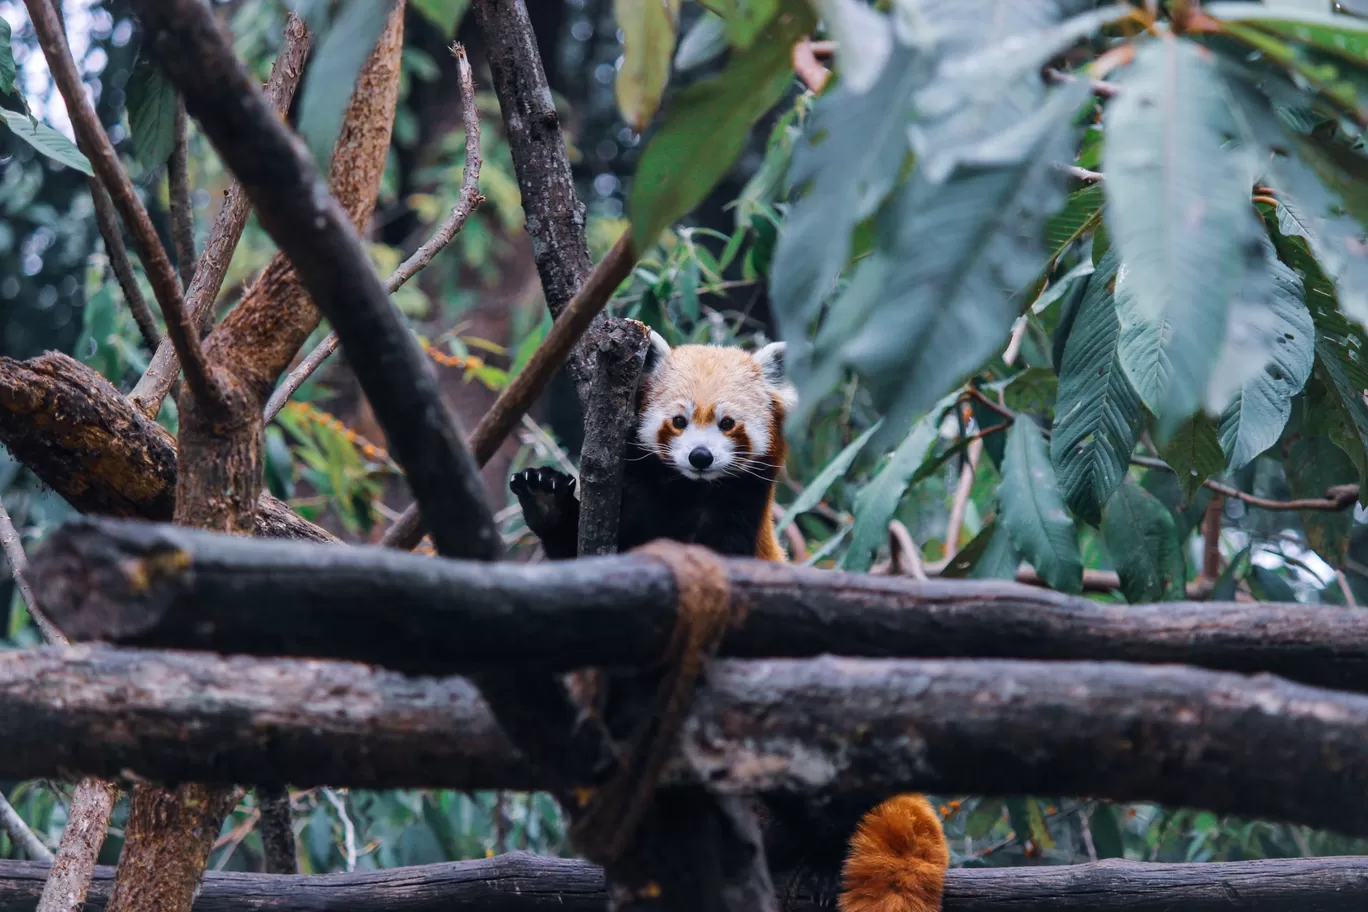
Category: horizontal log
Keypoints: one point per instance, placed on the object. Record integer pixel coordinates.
(1259, 747)
(169, 587)
(519, 882)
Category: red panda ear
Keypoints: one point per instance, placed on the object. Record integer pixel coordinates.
(771, 362)
(656, 354)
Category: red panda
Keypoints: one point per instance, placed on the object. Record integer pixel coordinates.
(701, 468)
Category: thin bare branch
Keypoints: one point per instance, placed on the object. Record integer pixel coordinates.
(108, 221)
(87, 823)
(808, 67)
(178, 188)
(224, 234)
(446, 232)
(14, 554)
(21, 834)
(94, 142)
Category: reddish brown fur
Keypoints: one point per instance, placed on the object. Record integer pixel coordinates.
(897, 861)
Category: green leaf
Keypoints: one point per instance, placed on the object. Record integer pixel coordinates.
(1313, 464)
(963, 26)
(6, 59)
(816, 490)
(1097, 413)
(1032, 510)
(648, 30)
(1277, 340)
(1178, 209)
(1341, 36)
(1143, 542)
(1000, 557)
(1194, 452)
(849, 156)
(746, 19)
(878, 500)
(1106, 832)
(703, 42)
(1268, 586)
(151, 114)
(984, 817)
(46, 140)
(1080, 214)
(706, 126)
(333, 70)
(445, 14)
(947, 272)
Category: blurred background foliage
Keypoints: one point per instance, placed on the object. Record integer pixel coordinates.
(478, 310)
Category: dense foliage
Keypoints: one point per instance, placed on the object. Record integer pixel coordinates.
(1116, 250)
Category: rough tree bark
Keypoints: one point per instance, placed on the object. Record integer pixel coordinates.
(862, 728)
(518, 882)
(165, 587)
(220, 447)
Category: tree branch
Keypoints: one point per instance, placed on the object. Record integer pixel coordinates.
(1258, 747)
(277, 830)
(20, 833)
(224, 234)
(313, 231)
(73, 430)
(162, 586)
(178, 189)
(104, 161)
(108, 222)
(520, 882)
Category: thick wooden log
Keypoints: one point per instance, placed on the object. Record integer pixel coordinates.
(162, 586)
(1259, 747)
(518, 882)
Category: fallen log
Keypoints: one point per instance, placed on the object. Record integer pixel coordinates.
(169, 587)
(1259, 747)
(518, 882)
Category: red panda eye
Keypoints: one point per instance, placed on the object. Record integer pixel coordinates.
(680, 422)
(726, 424)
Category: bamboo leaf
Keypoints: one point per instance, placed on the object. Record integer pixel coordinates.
(1032, 510)
(1097, 414)
(1144, 545)
(648, 29)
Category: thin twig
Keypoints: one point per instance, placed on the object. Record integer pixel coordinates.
(94, 142)
(961, 504)
(469, 198)
(21, 834)
(530, 382)
(178, 189)
(14, 554)
(1083, 174)
(1345, 590)
(348, 830)
(1014, 344)
(1099, 88)
(108, 222)
(227, 229)
(904, 557)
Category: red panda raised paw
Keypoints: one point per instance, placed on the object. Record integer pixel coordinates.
(897, 859)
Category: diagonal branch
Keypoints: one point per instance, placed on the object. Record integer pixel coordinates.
(178, 189)
(94, 142)
(108, 222)
(224, 234)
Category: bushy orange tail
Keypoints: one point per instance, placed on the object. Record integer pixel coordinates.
(897, 859)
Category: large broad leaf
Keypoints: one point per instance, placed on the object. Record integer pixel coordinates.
(745, 19)
(1317, 201)
(6, 59)
(1000, 557)
(445, 14)
(648, 30)
(1080, 214)
(46, 140)
(848, 158)
(333, 70)
(1179, 214)
(151, 114)
(706, 126)
(878, 500)
(1341, 36)
(963, 26)
(817, 488)
(1144, 545)
(1313, 464)
(1194, 452)
(939, 293)
(1033, 511)
(1097, 414)
(705, 41)
(1269, 349)
(973, 95)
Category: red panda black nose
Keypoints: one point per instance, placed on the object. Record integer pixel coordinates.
(700, 458)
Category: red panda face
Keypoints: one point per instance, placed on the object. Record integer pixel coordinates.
(712, 412)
